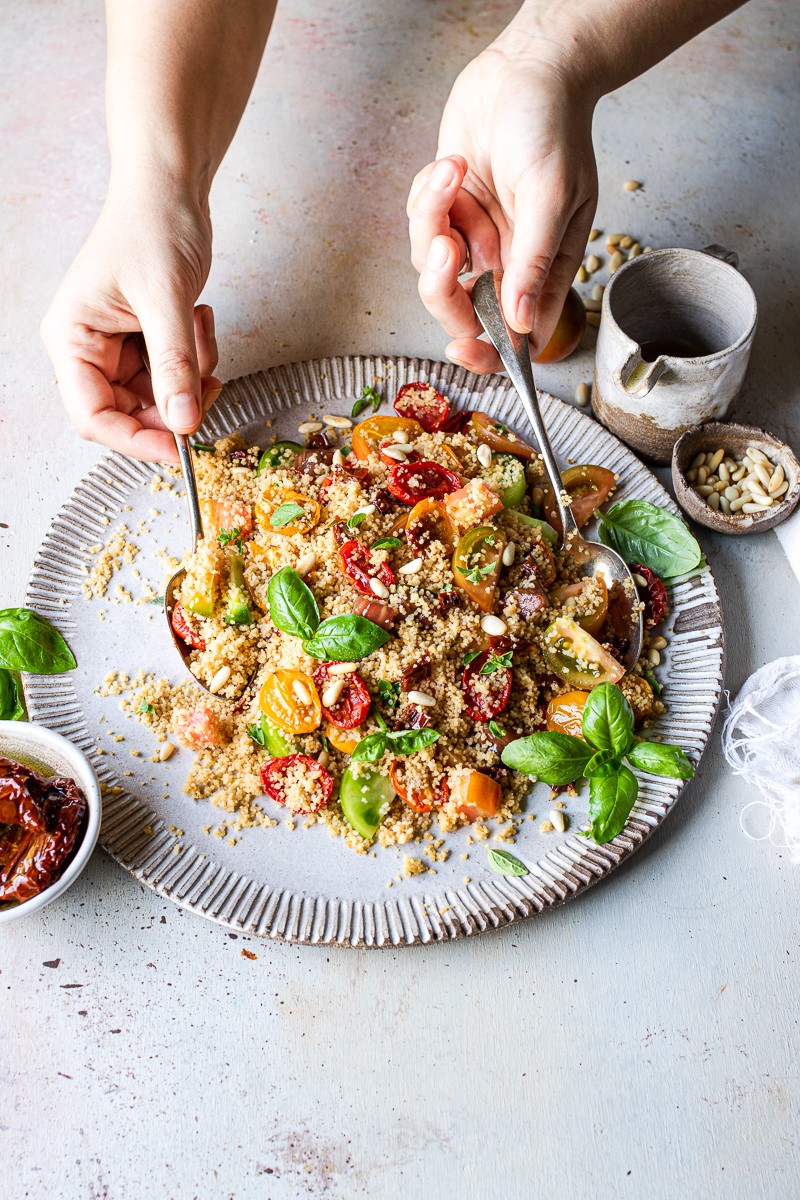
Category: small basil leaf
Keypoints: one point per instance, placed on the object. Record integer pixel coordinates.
(371, 748)
(389, 693)
(387, 543)
(496, 662)
(469, 657)
(643, 532)
(356, 519)
(369, 398)
(408, 741)
(496, 730)
(29, 642)
(346, 638)
(11, 706)
(611, 798)
(505, 863)
(608, 719)
(144, 707)
(286, 513)
(292, 607)
(556, 758)
(661, 760)
(605, 762)
(204, 448)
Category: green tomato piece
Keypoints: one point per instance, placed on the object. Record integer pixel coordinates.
(279, 454)
(506, 476)
(548, 533)
(237, 609)
(476, 564)
(198, 594)
(577, 658)
(276, 742)
(365, 799)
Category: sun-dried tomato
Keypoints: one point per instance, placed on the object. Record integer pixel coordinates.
(654, 596)
(354, 700)
(359, 567)
(480, 704)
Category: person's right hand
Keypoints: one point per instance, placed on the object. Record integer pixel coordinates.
(140, 271)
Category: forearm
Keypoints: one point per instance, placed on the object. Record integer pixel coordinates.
(179, 76)
(598, 45)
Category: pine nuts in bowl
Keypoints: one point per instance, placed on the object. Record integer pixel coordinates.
(735, 478)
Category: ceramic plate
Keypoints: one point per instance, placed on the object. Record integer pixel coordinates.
(306, 886)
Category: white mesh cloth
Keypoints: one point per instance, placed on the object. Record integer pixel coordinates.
(761, 741)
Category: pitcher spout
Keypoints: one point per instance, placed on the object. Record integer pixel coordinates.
(637, 377)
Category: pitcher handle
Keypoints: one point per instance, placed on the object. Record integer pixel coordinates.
(725, 255)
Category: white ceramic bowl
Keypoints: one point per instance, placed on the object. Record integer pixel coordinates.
(52, 751)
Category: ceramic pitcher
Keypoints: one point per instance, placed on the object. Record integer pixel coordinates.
(675, 336)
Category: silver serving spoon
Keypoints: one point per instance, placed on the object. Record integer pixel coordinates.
(591, 558)
(196, 523)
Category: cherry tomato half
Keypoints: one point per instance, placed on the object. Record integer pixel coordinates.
(654, 595)
(359, 567)
(421, 800)
(476, 564)
(428, 522)
(198, 728)
(289, 699)
(590, 607)
(565, 713)
(273, 780)
(342, 739)
(588, 487)
(369, 434)
(576, 658)
(412, 482)
(352, 706)
(342, 473)
(485, 696)
(422, 403)
(498, 436)
(475, 796)
(229, 514)
(180, 623)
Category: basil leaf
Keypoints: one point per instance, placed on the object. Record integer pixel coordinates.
(389, 693)
(29, 642)
(286, 513)
(371, 748)
(661, 760)
(231, 537)
(496, 730)
(257, 732)
(144, 707)
(292, 607)
(473, 654)
(11, 705)
(496, 662)
(605, 762)
(505, 863)
(387, 543)
(611, 799)
(368, 398)
(156, 600)
(608, 719)
(643, 532)
(356, 519)
(408, 741)
(556, 758)
(346, 638)
(204, 448)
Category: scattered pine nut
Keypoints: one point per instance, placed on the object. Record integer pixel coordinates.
(582, 274)
(423, 698)
(659, 643)
(166, 751)
(631, 185)
(592, 305)
(614, 239)
(594, 234)
(558, 820)
(341, 668)
(592, 263)
(626, 242)
(323, 758)
(220, 679)
(398, 453)
(306, 562)
(616, 261)
(307, 427)
(647, 249)
(379, 589)
(333, 691)
(582, 394)
(493, 626)
(635, 250)
(509, 554)
(597, 291)
(338, 459)
(640, 580)
(654, 658)
(337, 422)
(401, 435)
(484, 455)
(300, 690)
(410, 568)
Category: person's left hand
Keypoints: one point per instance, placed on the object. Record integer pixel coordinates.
(515, 184)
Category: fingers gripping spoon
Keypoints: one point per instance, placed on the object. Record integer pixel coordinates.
(591, 558)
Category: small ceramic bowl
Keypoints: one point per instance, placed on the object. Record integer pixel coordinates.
(734, 439)
(49, 752)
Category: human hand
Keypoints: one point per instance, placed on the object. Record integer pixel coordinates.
(515, 181)
(141, 270)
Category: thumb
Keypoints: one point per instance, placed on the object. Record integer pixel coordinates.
(174, 370)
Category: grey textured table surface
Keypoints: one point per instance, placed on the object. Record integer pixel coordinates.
(639, 1042)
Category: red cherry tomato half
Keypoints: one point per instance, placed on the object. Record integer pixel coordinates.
(421, 402)
(354, 699)
(654, 595)
(360, 567)
(273, 779)
(412, 482)
(485, 696)
(422, 800)
(410, 457)
(181, 625)
(360, 473)
(588, 487)
(458, 421)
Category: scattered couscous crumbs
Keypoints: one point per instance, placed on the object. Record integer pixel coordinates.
(413, 866)
(108, 558)
(148, 829)
(546, 826)
(481, 832)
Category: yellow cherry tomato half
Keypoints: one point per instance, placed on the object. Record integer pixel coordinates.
(279, 513)
(344, 740)
(368, 435)
(565, 713)
(289, 699)
(474, 795)
(586, 602)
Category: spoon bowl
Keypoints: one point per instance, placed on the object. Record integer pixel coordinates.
(589, 558)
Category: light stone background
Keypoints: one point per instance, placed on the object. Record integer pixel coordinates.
(640, 1042)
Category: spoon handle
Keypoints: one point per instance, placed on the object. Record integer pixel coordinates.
(192, 499)
(514, 350)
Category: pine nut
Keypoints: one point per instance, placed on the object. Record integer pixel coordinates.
(592, 263)
(758, 455)
(323, 758)
(702, 474)
(594, 234)
(401, 435)
(332, 692)
(705, 489)
(757, 491)
(692, 476)
(616, 261)
(778, 477)
(736, 505)
(725, 505)
(654, 658)
(341, 668)
(422, 698)
(713, 501)
(309, 427)
(716, 459)
(614, 239)
(597, 291)
(780, 491)
(378, 589)
(306, 562)
(659, 643)
(366, 509)
(220, 679)
(301, 691)
(338, 459)
(730, 464)
(626, 241)
(493, 626)
(719, 486)
(763, 474)
(640, 580)
(593, 305)
(558, 820)
(631, 185)
(398, 453)
(337, 422)
(738, 474)
(635, 250)
(582, 394)
(756, 508)
(724, 473)
(509, 554)
(582, 274)
(410, 568)
(166, 751)
(484, 455)
(698, 460)
(647, 249)
(731, 493)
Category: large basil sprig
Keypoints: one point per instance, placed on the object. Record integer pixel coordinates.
(399, 741)
(644, 533)
(559, 759)
(292, 607)
(29, 642)
(346, 638)
(11, 705)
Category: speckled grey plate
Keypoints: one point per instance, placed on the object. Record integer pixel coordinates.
(305, 886)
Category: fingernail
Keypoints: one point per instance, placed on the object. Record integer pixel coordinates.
(183, 412)
(438, 255)
(442, 177)
(525, 313)
(207, 321)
